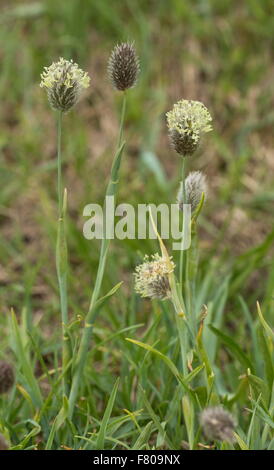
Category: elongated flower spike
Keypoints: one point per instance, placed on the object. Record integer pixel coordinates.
(186, 122)
(123, 66)
(170, 265)
(195, 186)
(218, 424)
(64, 82)
(151, 277)
(155, 277)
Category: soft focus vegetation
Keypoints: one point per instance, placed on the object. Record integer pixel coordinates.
(218, 52)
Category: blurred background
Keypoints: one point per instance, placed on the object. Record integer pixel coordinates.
(218, 52)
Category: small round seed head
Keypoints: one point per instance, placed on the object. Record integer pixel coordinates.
(123, 66)
(6, 377)
(64, 82)
(195, 186)
(3, 443)
(218, 424)
(151, 277)
(183, 144)
(186, 122)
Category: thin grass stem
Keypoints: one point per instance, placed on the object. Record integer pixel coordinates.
(61, 257)
(182, 252)
(59, 161)
(91, 315)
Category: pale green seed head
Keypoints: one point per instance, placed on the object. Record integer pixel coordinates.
(64, 82)
(195, 186)
(190, 119)
(151, 277)
(218, 424)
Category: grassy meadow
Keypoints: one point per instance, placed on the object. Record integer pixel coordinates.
(136, 394)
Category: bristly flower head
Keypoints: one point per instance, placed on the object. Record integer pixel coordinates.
(195, 186)
(64, 81)
(123, 66)
(6, 377)
(218, 424)
(187, 121)
(151, 277)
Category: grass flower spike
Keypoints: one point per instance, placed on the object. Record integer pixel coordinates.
(187, 121)
(218, 424)
(123, 69)
(123, 66)
(195, 186)
(151, 277)
(64, 81)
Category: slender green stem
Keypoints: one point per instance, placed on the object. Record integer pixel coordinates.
(181, 327)
(59, 161)
(105, 241)
(182, 252)
(122, 120)
(90, 318)
(61, 257)
(181, 322)
(182, 333)
(190, 259)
